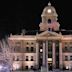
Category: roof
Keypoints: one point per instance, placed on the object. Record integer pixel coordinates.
(32, 32)
(65, 32)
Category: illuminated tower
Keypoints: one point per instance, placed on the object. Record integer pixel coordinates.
(49, 19)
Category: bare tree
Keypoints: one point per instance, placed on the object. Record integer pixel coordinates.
(6, 55)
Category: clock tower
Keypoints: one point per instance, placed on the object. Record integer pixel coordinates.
(49, 19)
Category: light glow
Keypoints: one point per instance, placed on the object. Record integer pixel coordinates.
(16, 66)
(49, 10)
(67, 67)
(1, 67)
(41, 50)
(49, 59)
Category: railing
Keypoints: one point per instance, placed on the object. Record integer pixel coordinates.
(40, 71)
(27, 71)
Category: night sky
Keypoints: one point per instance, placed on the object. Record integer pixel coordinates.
(15, 16)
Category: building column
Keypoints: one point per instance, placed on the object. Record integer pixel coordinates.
(37, 53)
(44, 56)
(47, 55)
(60, 56)
(53, 54)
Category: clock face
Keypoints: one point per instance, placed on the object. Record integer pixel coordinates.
(49, 10)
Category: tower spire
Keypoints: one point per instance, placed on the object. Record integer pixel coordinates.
(49, 4)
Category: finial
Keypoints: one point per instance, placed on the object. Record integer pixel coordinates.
(11, 34)
(49, 4)
(36, 33)
(23, 31)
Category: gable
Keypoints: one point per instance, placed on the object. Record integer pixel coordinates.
(49, 34)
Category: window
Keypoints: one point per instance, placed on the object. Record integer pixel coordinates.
(49, 29)
(26, 58)
(13, 58)
(32, 49)
(14, 49)
(32, 43)
(41, 50)
(31, 58)
(26, 67)
(52, 29)
(66, 58)
(70, 48)
(17, 42)
(27, 43)
(17, 48)
(65, 48)
(27, 48)
(49, 20)
(17, 58)
(50, 55)
(70, 57)
(31, 67)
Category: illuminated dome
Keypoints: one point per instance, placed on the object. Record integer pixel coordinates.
(4, 66)
(49, 10)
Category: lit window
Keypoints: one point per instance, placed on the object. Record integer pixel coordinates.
(49, 59)
(16, 66)
(1, 67)
(49, 11)
(41, 50)
(26, 58)
(66, 58)
(67, 67)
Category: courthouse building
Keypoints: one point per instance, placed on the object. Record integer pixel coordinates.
(47, 47)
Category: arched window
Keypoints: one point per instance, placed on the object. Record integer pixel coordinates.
(26, 58)
(49, 29)
(32, 58)
(17, 59)
(49, 20)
